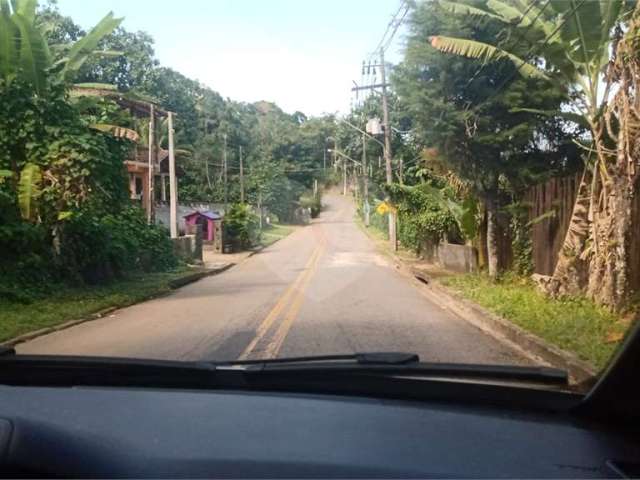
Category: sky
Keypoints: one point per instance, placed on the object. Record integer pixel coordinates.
(301, 54)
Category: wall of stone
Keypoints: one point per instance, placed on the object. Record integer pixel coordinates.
(189, 247)
(458, 258)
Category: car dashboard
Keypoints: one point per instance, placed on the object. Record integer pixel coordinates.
(125, 432)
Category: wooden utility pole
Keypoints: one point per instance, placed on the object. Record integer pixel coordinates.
(241, 177)
(366, 180)
(152, 145)
(224, 173)
(260, 208)
(387, 149)
(173, 187)
(387, 142)
(344, 177)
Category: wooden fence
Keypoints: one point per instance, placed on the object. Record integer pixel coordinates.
(551, 206)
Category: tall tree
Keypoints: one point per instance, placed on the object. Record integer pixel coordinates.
(571, 44)
(463, 111)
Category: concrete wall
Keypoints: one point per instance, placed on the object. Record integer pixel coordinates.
(189, 247)
(458, 258)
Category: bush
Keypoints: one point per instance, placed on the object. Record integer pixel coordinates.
(26, 266)
(312, 202)
(241, 227)
(98, 248)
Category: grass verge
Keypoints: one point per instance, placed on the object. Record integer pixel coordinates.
(77, 303)
(573, 324)
(274, 232)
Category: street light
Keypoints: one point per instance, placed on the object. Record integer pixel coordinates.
(370, 137)
(344, 168)
(373, 126)
(335, 144)
(338, 152)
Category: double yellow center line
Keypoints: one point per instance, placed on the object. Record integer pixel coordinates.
(292, 298)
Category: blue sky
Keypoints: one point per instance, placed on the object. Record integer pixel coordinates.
(301, 54)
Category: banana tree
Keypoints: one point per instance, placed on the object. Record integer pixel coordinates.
(26, 55)
(571, 43)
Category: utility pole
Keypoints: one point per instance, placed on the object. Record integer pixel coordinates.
(344, 177)
(387, 141)
(173, 190)
(366, 180)
(324, 158)
(387, 149)
(241, 177)
(260, 208)
(150, 178)
(224, 166)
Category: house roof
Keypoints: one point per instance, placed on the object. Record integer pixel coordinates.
(207, 214)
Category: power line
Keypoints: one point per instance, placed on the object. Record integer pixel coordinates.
(392, 27)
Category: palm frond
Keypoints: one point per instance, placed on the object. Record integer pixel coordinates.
(116, 131)
(33, 56)
(457, 8)
(485, 52)
(29, 190)
(8, 51)
(86, 46)
(26, 9)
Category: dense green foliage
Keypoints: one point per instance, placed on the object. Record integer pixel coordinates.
(424, 219)
(573, 324)
(65, 215)
(241, 227)
(75, 303)
(466, 110)
(64, 208)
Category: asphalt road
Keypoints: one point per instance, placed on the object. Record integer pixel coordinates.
(322, 290)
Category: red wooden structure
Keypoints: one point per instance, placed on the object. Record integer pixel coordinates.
(208, 221)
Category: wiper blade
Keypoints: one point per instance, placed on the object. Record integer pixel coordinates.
(398, 364)
(374, 358)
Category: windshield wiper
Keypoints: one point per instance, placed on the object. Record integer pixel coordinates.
(395, 363)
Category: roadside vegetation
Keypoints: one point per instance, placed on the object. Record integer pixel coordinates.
(275, 232)
(68, 224)
(573, 324)
(502, 109)
(491, 101)
(76, 303)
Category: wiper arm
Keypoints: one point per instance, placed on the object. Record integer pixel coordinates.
(375, 358)
(397, 364)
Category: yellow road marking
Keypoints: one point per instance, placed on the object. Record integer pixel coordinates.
(266, 324)
(283, 330)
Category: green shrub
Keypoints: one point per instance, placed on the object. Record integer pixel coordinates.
(100, 247)
(312, 202)
(241, 227)
(26, 266)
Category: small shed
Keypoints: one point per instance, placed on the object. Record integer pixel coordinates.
(207, 219)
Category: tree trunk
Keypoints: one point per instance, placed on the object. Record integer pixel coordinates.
(492, 241)
(571, 274)
(610, 236)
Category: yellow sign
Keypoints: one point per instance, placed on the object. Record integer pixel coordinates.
(384, 208)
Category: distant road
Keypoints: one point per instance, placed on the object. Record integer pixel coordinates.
(322, 290)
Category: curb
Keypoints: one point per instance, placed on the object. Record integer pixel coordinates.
(173, 285)
(502, 329)
(194, 277)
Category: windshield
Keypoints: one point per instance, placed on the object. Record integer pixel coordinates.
(251, 180)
